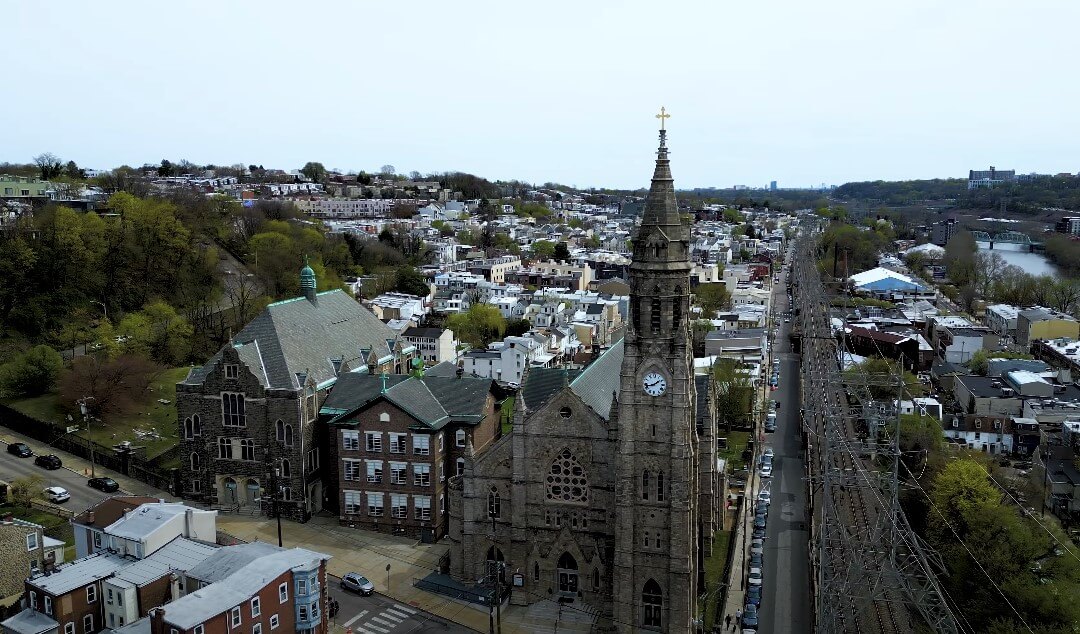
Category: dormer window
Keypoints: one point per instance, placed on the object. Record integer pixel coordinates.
(232, 371)
(978, 423)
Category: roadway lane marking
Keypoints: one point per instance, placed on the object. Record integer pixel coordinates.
(355, 619)
(394, 615)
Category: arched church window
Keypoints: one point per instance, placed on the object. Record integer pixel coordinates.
(645, 484)
(279, 427)
(660, 486)
(567, 480)
(652, 602)
(288, 436)
(656, 316)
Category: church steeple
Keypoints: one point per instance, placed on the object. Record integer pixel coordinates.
(662, 236)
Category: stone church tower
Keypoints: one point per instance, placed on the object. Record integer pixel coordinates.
(598, 498)
(656, 498)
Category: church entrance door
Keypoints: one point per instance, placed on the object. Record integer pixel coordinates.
(568, 576)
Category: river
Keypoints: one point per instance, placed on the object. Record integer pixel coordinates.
(1033, 263)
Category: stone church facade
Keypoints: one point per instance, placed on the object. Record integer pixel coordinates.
(605, 494)
(249, 438)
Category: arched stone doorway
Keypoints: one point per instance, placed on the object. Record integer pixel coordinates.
(567, 572)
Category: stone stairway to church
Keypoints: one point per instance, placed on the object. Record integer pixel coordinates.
(549, 616)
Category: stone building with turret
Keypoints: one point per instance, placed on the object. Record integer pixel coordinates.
(605, 493)
(249, 438)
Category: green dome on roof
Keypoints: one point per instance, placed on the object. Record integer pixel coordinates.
(307, 276)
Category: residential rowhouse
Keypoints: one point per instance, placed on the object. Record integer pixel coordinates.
(394, 441)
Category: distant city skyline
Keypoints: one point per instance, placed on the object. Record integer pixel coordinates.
(801, 94)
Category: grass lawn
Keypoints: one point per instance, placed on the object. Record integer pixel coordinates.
(507, 415)
(145, 417)
(714, 575)
(736, 443)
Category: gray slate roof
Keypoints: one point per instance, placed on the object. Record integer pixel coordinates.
(296, 336)
(599, 382)
(79, 573)
(29, 621)
(543, 383)
(432, 400)
(179, 554)
(228, 560)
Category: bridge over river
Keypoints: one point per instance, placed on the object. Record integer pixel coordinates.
(1007, 241)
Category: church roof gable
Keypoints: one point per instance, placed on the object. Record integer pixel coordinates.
(433, 401)
(297, 336)
(597, 384)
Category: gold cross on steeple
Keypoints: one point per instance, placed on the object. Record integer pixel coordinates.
(663, 115)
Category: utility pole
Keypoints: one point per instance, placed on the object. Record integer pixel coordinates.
(89, 441)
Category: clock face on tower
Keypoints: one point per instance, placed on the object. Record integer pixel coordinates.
(654, 384)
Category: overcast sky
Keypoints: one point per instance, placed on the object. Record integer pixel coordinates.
(800, 92)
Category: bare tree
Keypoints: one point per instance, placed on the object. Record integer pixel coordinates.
(115, 385)
(49, 165)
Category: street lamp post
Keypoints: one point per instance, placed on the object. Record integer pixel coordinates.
(274, 498)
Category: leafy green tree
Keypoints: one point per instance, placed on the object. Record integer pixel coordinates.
(977, 364)
(543, 249)
(25, 490)
(517, 327)
(31, 373)
(412, 282)
(478, 326)
(959, 259)
(166, 168)
(712, 298)
(733, 392)
(314, 171)
(561, 252)
(961, 491)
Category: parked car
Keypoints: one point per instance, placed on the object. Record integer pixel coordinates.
(765, 495)
(20, 449)
(756, 560)
(57, 495)
(753, 595)
(356, 582)
(755, 577)
(107, 485)
(757, 546)
(770, 425)
(759, 533)
(49, 461)
(766, 470)
(749, 615)
(768, 453)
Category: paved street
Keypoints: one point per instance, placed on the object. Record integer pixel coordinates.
(785, 597)
(379, 614)
(82, 496)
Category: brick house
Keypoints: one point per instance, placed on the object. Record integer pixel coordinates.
(25, 550)
(70, 596)
(394, 440)
(248, 416)
(89, 526)
(256, 587)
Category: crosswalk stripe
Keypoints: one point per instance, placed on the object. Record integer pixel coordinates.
(404, 608)
(394, 615)
(377, 628)
(362, 630)
(383, 622)
(355, 619)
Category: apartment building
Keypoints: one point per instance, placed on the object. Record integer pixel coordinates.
(394, 440)
(434, 345)
(25, 550)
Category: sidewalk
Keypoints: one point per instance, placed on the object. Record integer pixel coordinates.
(128, 486)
